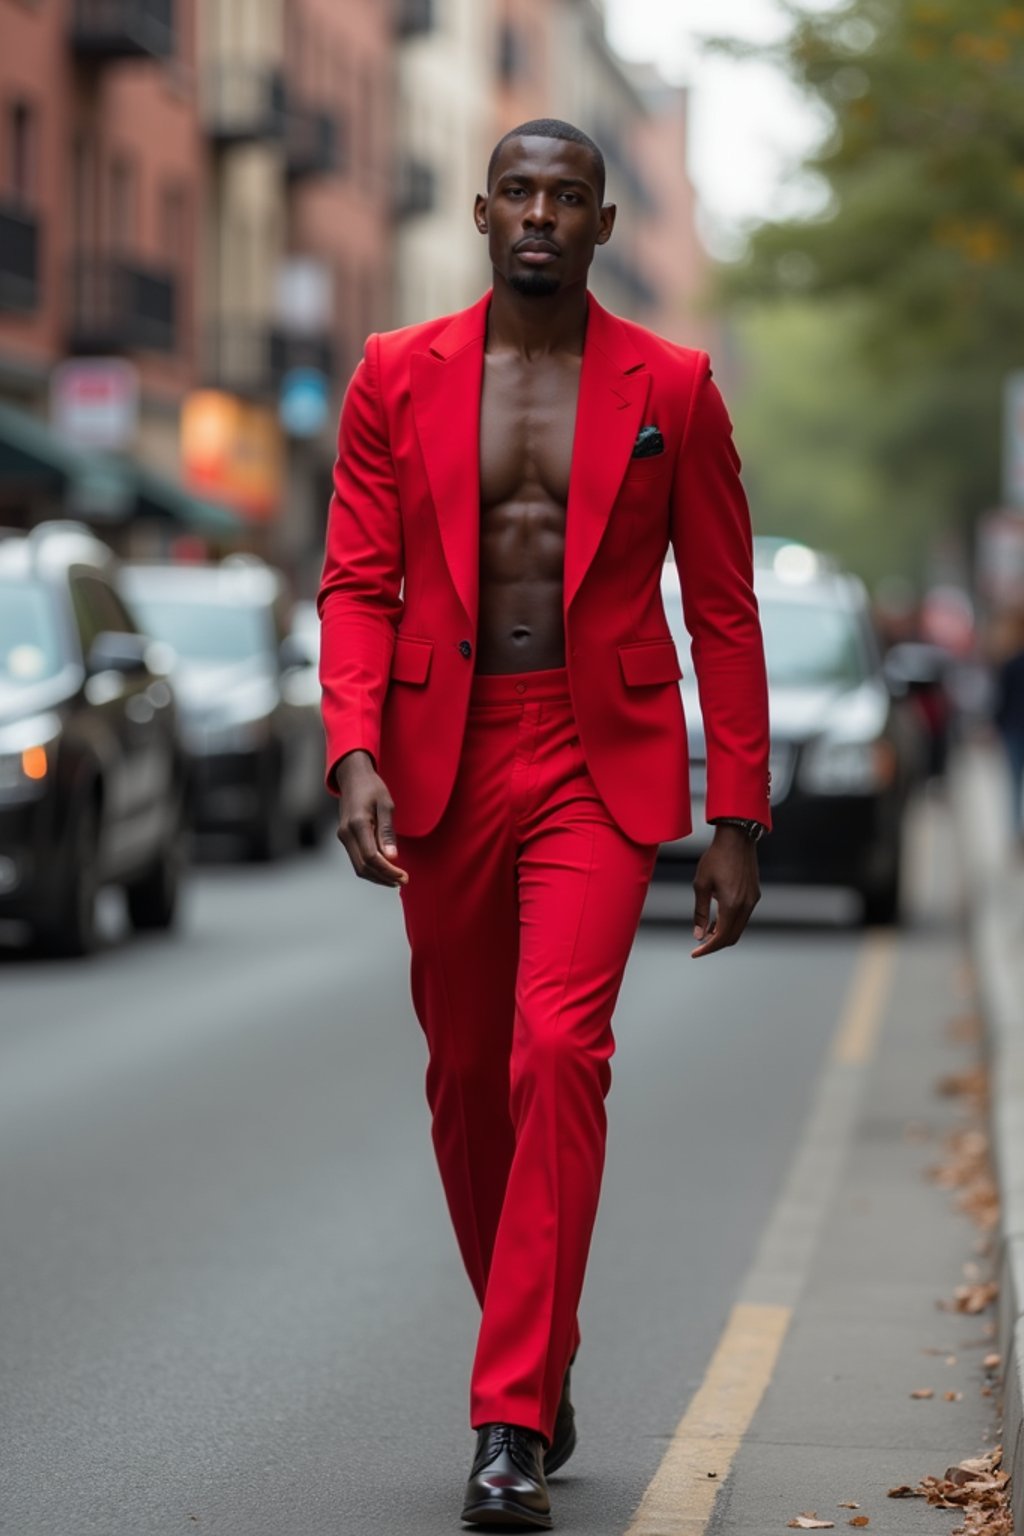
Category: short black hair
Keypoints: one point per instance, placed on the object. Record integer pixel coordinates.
(550, 128)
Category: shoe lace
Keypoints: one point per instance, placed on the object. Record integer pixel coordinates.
(519, 1443)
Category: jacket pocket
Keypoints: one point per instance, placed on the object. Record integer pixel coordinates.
(645, 662)
(411, 660)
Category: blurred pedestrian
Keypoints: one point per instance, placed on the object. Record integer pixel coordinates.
(1009, 714)
(501, 693)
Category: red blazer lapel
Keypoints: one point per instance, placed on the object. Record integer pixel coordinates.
(614, 386)
(446, 384)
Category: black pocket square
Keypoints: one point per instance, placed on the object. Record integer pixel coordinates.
(649, 443)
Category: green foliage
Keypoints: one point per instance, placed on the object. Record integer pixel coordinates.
(921, 241)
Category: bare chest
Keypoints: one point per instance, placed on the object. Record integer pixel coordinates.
(527, 420)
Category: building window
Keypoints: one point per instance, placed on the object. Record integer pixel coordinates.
(22, 124)
(513, 54)
(123, 210)
(174, 225)
(83, 192)
(415, 16)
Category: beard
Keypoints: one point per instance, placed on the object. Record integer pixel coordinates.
(534, 285)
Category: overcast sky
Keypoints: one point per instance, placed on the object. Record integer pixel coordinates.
(749, 124)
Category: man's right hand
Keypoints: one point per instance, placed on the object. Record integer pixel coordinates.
(366, 820)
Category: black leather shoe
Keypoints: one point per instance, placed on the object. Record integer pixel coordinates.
(563, 1440)
(506, 1488)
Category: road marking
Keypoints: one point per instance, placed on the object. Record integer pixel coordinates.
(862, 1017)
(680, 1498)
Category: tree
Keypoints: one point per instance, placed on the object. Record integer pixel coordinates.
(922, 235)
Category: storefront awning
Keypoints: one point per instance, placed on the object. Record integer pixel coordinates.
(103, 487)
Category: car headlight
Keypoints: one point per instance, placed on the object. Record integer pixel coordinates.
(27, 756)
(832, 766)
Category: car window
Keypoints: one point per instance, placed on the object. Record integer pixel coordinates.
(30, 645)
(89, 610)
(110, 607)
(201, 630)
(806, 644)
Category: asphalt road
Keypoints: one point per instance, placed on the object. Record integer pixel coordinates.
(229, 1297)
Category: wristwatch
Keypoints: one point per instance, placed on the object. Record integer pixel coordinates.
(753, 829)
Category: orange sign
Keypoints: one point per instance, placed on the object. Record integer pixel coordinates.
(232, 451)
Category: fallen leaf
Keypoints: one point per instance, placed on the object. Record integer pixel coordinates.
(849, 1504)
(904, 1491)
(811, 1523)
(992, 1362)
(922, 1392)
(972, 1298)
(952, 1397)
(860, 1521)
(712, 1474)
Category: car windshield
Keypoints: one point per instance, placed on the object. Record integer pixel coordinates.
(206, 631)
(806, 645)
(30, 650)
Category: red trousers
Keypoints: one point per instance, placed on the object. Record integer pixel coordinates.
(521, 909)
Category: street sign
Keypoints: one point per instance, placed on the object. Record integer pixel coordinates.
(1013, 440)
(304, 401)
(232, 451)
(94, 401)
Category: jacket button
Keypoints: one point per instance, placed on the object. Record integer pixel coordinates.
(465, 649)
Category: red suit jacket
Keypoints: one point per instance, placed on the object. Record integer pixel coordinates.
(398, 600)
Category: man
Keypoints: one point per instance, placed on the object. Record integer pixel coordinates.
(506, 736)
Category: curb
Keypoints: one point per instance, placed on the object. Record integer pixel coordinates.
(995, 905)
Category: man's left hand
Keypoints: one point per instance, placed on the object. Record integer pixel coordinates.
(727, 875)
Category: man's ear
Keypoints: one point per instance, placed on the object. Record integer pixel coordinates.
(480, 213)
(608, 212)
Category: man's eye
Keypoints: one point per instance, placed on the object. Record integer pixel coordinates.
(513, 191)
(570, 197)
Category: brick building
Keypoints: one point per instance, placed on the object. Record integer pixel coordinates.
(201, 190)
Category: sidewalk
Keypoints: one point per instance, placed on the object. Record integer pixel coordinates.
(995, 894)
(864, 1252)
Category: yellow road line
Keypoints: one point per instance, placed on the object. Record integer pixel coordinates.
(865, 1004)
(679, 1499)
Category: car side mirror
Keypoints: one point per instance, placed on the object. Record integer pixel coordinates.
(895, 681)
(118, 651)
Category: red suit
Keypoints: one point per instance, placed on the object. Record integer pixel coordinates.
(529, 808)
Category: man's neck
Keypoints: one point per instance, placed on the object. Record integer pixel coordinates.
(532, 326)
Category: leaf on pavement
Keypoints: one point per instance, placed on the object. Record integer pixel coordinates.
(904, 1491)
(952, 1397)
(860, 1521)
(810, 1522)
(972, 1298)
(923, 1392)
(993, 1361)
(849, 1504)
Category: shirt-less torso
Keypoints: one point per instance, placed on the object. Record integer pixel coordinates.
(527, 421)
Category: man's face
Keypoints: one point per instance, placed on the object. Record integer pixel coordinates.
(542, 216)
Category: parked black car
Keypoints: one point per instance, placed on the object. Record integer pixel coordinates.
(845, 751)
(91, 774)
(250, 725)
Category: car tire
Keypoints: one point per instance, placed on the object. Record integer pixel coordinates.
(273, 835)
(71, 930)
(312, 829)
(152, 900)
(882, 902)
